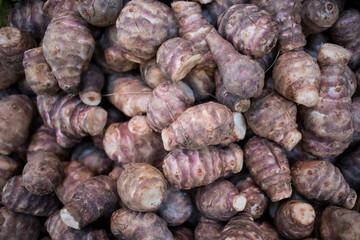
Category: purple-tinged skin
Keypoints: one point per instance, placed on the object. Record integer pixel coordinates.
(143, 25)
(9, 167)
(274, 117)
(349, 166)
(268, 231)
(186, 169)
(168, 100)
(350, 80)
(59, 231)
(29, 16)
(183, 233)
(8, 77)
(17, 112)
(133, 141)
(52, 8)
(38, 73)
(13, 43)
(328, 126)
(269, 168)
(151, 73)
(321, 181)
(16, 226)
(231, 63)
(109, 55)
(355, 104)
(18, 199)
(116, 173)
(76, 173)
(250, 29)
(208, 229)
(201, 81)
(242, 227)
(128, 224)
(357, 74)
(92, 199)
(92, 81)
(68, 47)
(213, 10)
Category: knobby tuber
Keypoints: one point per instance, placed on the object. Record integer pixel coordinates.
(220, 200)
(320, 180)
(92, 81)
(241, 227)
(9, 167)
(142, 187)
(53, 8)
(187, 169)
(269, 167)
(151, 73)
(208, 229)
(92, 199)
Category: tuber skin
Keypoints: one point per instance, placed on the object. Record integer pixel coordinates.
(8, 77)
(92, 199)
(75, 174)
(250, 29)
(92, 81)
(116, 173)
(93, 158)
(318, 15)
(9, 167)
(213, 10)
(29, 16)
(235, 103)
(128, 224)
(143, 25)
(15, 226)
(17, 112)
(176, 57)
(70, 118)
(295, 219)
(99, 13)
(183, 233)
(141, 187)
(67, 57)
(241, 227)
(274, 117)
(268, 231)
(186, 169)
(59, 231)
(321, 181)
(38, 73)
(288, 18)
(13, 43)
(314, 43)
(269, 168)
(350, 168)
(53, 8)
(176, 208)
(188, 130)
(350, 80)
(16, 198)
(168, 100)
(201, 81)
(133, 141)
(346, 36)
(219, 200)
(128, 93)
(151, 73)
(109, 55)
(297, 78)
(339, 223)
(328, 126)
(256, 200)
(208, 229)
(230, 63)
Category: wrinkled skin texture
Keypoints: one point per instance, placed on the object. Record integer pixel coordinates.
(328, 126)
(95, 197)
(9, 167)
(16, 225)
(268, 231)
(68, 47)
(274, 117)
(186, 169)
(141, 187)
(321, 181)
(143, 25)
(250, 29)
(208, 229)
(17, 112)
(241, 227)
(128, 224)
(340, 224)
(269, 168)
(349, 166)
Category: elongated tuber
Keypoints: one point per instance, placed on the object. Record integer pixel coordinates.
(241, 227)
(187, 169)
(268, 165)
(321, 181)
(82, 209)
(92, 81)
(141, 187)
(208, 229)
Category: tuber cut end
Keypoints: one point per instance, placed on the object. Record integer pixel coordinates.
(303, 213)
(138, 125)
(239, 202)
(307, 96)
(239, 125)
(187, 65)
(90, 98)
(166, 136)
(152, 198)
(95, 121)
(68, 219)
(10, 36)
(242, 105)
(291, 139)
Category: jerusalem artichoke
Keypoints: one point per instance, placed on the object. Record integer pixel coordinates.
(241, 227)
(92, 81)
(9, 167)
(151, 73)
(208, 229)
